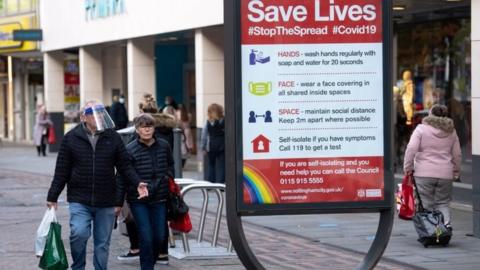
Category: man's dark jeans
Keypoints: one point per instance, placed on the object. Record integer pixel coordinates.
(150, 220)
(216, 166)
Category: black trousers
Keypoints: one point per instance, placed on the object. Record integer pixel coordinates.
(41, 149)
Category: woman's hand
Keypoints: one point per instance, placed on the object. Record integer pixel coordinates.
(142, 190)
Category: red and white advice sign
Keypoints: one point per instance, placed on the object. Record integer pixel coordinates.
(312, 95)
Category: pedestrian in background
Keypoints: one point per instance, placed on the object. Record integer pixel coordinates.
(170, 110)
(153, 161)
(164, 123)
(183, 118)
(119, 112)
(169, 102)
(433, 155)
(40, 130)
(213, 143)
(86, 163)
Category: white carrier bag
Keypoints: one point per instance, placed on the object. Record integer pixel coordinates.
(42, 231)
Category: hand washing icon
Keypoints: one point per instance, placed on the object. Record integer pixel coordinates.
(257, 57)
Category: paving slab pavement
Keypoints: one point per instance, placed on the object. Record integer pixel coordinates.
(336, 241)
(22, 208)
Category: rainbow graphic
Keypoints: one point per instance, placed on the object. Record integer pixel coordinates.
(256, 189)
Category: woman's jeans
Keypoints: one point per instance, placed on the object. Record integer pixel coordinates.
(81, 218)
(216, 166)
(150, 219)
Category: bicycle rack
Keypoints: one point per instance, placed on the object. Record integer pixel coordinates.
(199, 249)
(182, 182)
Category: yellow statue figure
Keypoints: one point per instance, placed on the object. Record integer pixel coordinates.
(407, 93)
(428, 90)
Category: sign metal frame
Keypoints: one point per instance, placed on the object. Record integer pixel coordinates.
(236, 208)
(316, 207)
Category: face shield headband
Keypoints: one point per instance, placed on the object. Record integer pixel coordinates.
(103, 121)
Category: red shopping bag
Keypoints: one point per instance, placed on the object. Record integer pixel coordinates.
(51, 135)
(182, 223)
(406, 199)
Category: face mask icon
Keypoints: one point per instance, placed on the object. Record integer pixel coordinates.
(260, 88)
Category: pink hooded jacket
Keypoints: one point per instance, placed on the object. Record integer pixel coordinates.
(434, 150)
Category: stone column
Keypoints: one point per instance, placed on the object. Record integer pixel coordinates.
(19, 89)
(114, 71)
(209, 74)
(140, 71)
(54, 84)
(3, 115)
(91, 74)
(10, 101)
(209, 70)
(475, 8)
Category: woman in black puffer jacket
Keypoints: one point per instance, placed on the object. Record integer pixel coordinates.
(164, 125)
(153, 162)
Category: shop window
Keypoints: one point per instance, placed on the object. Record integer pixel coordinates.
(12, 6)
(25, 5)
(437, 53)
(2, 7)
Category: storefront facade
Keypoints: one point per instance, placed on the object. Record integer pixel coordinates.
(437, 43)
(21, 71)
(135, 47)
(438, 54)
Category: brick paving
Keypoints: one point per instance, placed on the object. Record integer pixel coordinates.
(22, 204)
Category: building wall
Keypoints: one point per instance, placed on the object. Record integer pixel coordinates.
(114, 71)
(475, 36)
(475, 79)
(74, 25)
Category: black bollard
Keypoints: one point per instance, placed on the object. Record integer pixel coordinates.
(177, 152)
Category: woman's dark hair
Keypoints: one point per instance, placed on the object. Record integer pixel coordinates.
(439, 110)
(144, 120)
(183, 113)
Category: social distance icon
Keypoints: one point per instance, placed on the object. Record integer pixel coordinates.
(260, 88)
(252, 117)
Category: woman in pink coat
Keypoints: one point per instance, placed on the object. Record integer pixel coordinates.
(40, 130)
(433, 155)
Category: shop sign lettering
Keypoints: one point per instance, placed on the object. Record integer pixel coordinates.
(97, 9)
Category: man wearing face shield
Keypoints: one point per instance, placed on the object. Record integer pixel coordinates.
(86, 163)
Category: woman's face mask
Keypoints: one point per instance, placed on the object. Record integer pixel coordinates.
(121, 100)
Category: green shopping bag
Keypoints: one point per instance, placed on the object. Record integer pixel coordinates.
(54, 257)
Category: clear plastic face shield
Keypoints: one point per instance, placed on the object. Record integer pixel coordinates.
(98, 117)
